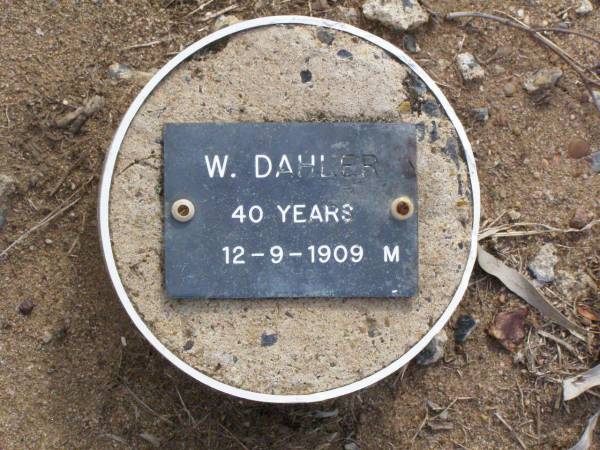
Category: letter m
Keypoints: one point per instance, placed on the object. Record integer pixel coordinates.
(391, 256)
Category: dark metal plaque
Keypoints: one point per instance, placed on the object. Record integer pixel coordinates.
(290, 210)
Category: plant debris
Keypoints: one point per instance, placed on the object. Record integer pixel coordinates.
(521, 286)
(577, 385)
(586, 439)
(509, 328)
(74, 120)
(591, 81)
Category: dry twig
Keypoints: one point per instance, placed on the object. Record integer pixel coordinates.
(521, 286)
(219, 13)
(508, 230)
(199, 8)
(414, 438)
(590, 82)
(67, 204)
(67, 173)
(148, 408)
(562, 342)
(512, 431)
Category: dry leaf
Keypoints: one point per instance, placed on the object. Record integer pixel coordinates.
(509, 328)
(521, 286)
(587, 313)
(574, 386)
(440, 425)
(151, 439)
(586, 439)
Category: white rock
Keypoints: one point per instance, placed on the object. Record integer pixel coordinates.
(469, 67)
(542, 266)
(119, 72)
(542, 79)
(224, 21)
(348, 14)
(7, 188)
(585, 7)
(596, 98)
(400, 15)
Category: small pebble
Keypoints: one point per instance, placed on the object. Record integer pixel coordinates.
(585, 7)
(542, 265)
(469, 68)
(509, 89)
(344, 54)
(410, 44)
(596, 98)
(580, 218)
(481, 114)
(26, 307)
(464, 327)
(434, 351)
(224, 21)
(325, 36)
(305, 76)
(542, 80)
(47, 337)
(348, 14)
(351, 446)
(48, 241)
(578, 148)
(498, 69)
(595, 161)
(514, 215)
(266, 340)
(118, 71)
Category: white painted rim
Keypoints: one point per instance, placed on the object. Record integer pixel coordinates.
(109, 166)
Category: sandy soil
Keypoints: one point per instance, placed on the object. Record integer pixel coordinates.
(74, 373)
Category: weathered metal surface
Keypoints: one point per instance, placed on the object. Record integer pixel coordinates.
(290, 210)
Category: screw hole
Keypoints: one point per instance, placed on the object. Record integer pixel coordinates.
(182, 210)
(402, 208)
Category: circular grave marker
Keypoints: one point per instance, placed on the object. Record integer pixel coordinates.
(289, 218)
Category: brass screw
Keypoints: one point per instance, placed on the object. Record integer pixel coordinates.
(402, 208)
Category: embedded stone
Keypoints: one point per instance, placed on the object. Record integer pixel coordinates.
(469, 68)
(401, 15)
